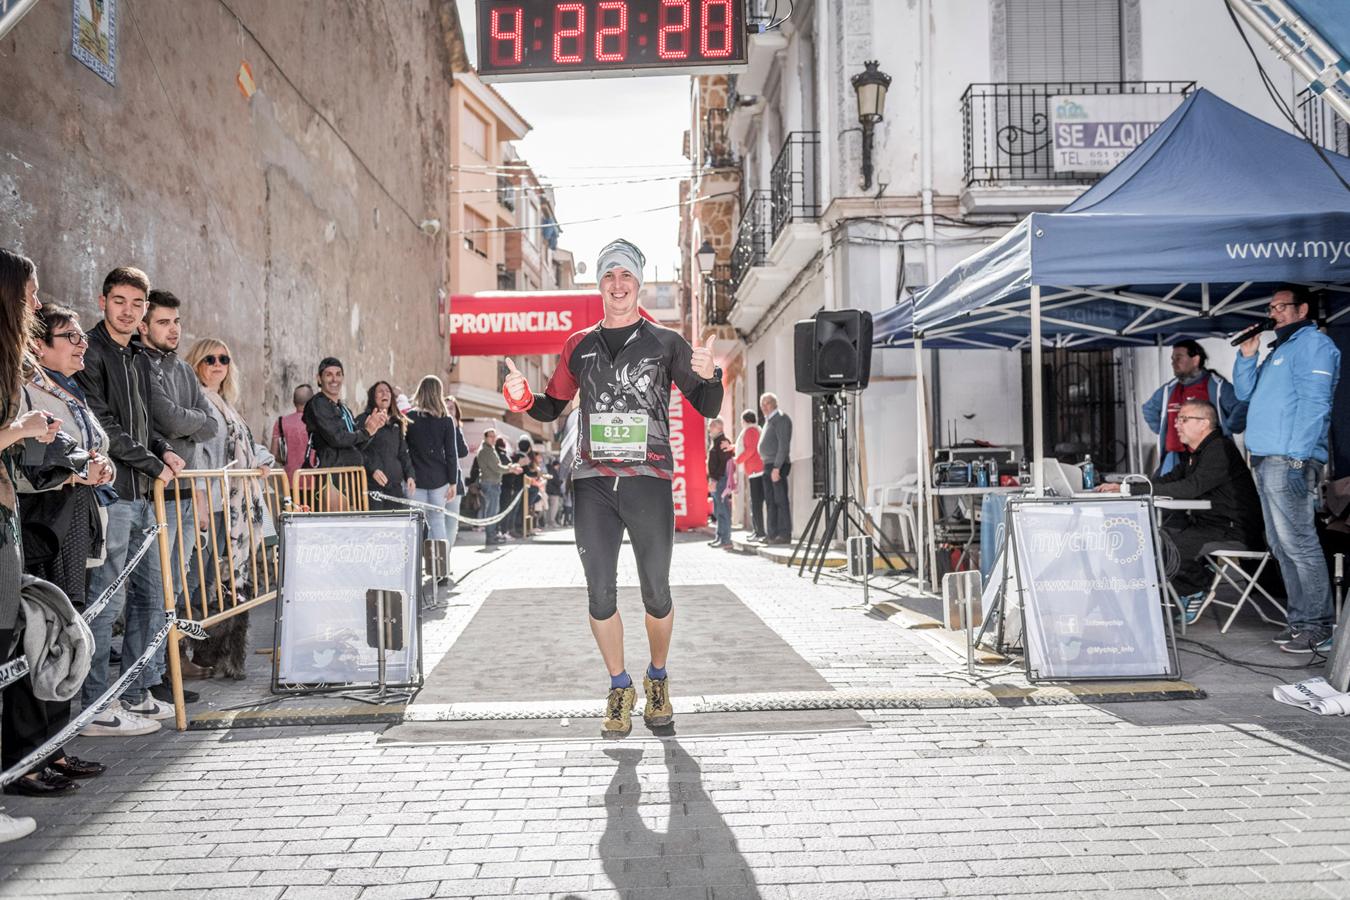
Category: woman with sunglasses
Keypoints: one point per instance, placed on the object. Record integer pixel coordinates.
(62, 525)
(18, 303)
(388, 463)
(238, 520)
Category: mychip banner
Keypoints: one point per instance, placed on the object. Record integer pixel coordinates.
(336, 571)
(1091, 590)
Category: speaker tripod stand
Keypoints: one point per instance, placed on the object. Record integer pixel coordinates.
(838, 504)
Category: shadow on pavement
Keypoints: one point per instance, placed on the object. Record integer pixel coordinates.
(1238, 689)
(697, 851)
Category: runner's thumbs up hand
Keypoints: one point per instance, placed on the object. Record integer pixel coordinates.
(515, 386)
(702, 360)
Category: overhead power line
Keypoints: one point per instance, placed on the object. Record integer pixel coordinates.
(620, 215)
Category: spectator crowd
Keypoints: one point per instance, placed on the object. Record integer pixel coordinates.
(93, 415)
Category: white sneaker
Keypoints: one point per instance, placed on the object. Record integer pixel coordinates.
(117, 722)
(14, 827)
(150, 708)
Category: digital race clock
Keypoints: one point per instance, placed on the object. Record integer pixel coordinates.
(539, 39)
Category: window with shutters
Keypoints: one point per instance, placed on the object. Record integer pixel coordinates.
(1063, 40)
(475, 133)
(475, 233)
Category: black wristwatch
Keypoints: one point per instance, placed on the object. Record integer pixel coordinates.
(717, 374)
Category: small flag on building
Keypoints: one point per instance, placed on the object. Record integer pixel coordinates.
(245, 81)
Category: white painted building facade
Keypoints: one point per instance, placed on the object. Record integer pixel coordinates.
(968, 80)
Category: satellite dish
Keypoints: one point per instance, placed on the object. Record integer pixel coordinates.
(581, 268)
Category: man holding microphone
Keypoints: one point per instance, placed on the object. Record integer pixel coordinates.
(1290, 396)
(623, 367)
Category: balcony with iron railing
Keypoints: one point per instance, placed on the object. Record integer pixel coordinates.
(1006, 129)
(794, 185)
(752, 238)
(506, 192)
(718, 298)
(715, 142)
(1321, 123)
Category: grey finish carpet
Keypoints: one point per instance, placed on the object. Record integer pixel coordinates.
(536, 645)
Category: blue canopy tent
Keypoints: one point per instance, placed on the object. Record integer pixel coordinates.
(1186, 236)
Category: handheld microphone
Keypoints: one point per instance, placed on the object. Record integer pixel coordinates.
(1252, 331)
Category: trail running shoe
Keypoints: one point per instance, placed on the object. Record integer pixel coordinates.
(657, 711)
(618, 713)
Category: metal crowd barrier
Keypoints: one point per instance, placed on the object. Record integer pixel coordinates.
(201, 564)
(339, 489)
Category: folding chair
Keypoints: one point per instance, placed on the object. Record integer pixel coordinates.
(1227, 566)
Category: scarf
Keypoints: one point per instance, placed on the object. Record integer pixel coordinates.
(70, 393)
(244, 504)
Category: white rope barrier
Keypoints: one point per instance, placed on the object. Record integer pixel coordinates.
(21, 768)
(15, 669)
(417, 504)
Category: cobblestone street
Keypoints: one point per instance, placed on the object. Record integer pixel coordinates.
(1070, 800)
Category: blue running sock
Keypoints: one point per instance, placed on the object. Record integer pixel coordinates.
(620, 681)
(654, 673)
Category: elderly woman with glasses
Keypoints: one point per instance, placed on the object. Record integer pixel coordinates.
(62, 527)
(239, 520)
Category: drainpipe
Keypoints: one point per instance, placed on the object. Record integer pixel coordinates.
(926, 176)
(10, 16)
(926, 136)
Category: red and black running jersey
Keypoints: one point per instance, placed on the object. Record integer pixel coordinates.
(635, 380)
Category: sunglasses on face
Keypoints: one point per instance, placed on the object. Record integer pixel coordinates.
(76, 337)
(211, 360)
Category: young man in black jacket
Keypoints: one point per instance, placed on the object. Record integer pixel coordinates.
(1211, 469)
(120, 386)
(623, 367)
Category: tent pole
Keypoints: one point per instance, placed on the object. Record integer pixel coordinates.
(1037, 398)
(921, 525)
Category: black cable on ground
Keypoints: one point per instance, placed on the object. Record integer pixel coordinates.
(1214, 653)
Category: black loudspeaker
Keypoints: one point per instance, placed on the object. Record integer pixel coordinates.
(833, 351)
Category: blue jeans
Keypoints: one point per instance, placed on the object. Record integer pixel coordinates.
(492, 504)
(1288, 504)
(142, 597)
(722, 511)
(435, 520)
(452, 519)
(171, 518)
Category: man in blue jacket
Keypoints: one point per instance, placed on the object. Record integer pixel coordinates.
(1192, 381)
(1290, 411)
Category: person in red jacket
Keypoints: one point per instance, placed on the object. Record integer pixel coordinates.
(747, 455)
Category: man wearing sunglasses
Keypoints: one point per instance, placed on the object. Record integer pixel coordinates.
(1289, 414)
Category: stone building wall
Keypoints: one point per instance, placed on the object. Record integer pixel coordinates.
(287, 221)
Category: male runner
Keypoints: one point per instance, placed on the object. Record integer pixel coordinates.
(623, 367)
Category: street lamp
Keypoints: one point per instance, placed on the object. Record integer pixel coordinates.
(707, 258)
(870, 85)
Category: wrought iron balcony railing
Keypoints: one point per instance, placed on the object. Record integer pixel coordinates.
(794, 182)
(1006, 128)
(506, 192)
(718, 298)
(716, 142)
(1321, 124)
(752, 237)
